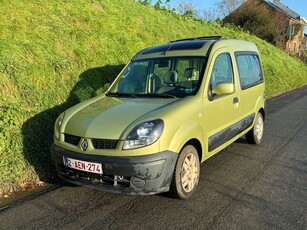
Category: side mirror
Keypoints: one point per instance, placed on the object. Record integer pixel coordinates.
(223, 88)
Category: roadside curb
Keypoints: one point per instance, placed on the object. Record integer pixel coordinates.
(23, 196)
(284, 94)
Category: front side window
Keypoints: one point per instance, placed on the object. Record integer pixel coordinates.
(222, 71)
(249, 69)
(174, 77)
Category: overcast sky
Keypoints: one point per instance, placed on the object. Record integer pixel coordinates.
(299, 6)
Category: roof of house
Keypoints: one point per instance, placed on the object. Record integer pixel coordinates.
(285, 10)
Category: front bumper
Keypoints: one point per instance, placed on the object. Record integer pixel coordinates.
(148, 174)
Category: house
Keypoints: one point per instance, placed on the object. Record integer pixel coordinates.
(276, 23)
(295, 44)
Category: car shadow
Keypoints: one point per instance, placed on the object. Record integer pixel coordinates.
(242, 140)
(37, 131)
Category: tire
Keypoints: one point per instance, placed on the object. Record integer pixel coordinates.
(255, 135)
(186, 173)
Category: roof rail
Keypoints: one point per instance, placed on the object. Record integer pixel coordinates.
(200, 38)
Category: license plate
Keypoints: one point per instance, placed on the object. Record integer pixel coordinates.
(83, 165)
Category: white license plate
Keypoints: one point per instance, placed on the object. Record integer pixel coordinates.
(83, 165)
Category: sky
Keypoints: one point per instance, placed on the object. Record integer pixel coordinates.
(298, 6)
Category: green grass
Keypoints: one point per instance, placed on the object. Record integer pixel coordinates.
(54, 54)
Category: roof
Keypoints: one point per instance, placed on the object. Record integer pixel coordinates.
(196, 47)
(285, 10)
(184, 47)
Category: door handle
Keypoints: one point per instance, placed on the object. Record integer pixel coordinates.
(235, 100)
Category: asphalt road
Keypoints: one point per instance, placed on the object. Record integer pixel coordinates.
(243, 187)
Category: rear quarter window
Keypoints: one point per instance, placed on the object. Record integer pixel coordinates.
(249, 69)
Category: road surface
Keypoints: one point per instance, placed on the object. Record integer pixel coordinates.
(243, 187)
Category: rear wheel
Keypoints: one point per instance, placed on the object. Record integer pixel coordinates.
(254, 136)
(186, 173)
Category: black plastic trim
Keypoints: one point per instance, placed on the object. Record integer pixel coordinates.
(225, 135)
(147, 174)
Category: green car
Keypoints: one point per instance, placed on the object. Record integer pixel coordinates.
(171, 108)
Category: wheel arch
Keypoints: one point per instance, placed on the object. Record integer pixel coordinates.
(188, 133)
(262, 111)
(196, 143)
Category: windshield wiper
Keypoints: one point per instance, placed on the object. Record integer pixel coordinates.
(163, 95)
(117, 94)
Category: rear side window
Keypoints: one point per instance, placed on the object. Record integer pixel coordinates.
(249, 69)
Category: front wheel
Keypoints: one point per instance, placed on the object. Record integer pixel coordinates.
(254, 136)
(186, 173)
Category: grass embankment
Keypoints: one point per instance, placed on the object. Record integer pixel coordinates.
(54, 54)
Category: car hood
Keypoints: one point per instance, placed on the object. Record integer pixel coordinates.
(108, 117)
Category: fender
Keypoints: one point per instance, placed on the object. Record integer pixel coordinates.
(188, 130)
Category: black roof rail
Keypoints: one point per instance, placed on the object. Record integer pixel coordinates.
(200, 38)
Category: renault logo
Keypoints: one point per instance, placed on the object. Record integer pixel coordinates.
(84, 145)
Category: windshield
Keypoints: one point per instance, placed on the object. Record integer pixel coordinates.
(160, 77)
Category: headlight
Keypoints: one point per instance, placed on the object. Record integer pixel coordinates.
(57, 126)
(144, 134)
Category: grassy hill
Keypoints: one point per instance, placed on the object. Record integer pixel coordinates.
(54, 54)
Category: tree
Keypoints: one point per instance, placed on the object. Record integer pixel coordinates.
(145, 2)
(225, 7)
(262, 21)
(210, 14)
(159, 4)
(187, 9)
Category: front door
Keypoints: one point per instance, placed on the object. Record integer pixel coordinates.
(221, 112)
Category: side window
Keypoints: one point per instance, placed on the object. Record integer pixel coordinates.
(257, 74)
(249, 70)
(222, 70)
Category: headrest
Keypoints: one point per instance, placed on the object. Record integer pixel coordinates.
(189, 72)
(170, 77)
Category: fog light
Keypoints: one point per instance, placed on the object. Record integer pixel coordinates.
(138, 182)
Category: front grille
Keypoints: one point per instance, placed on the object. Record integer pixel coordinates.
(104, 143)
(97, 143)
(71, 139)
